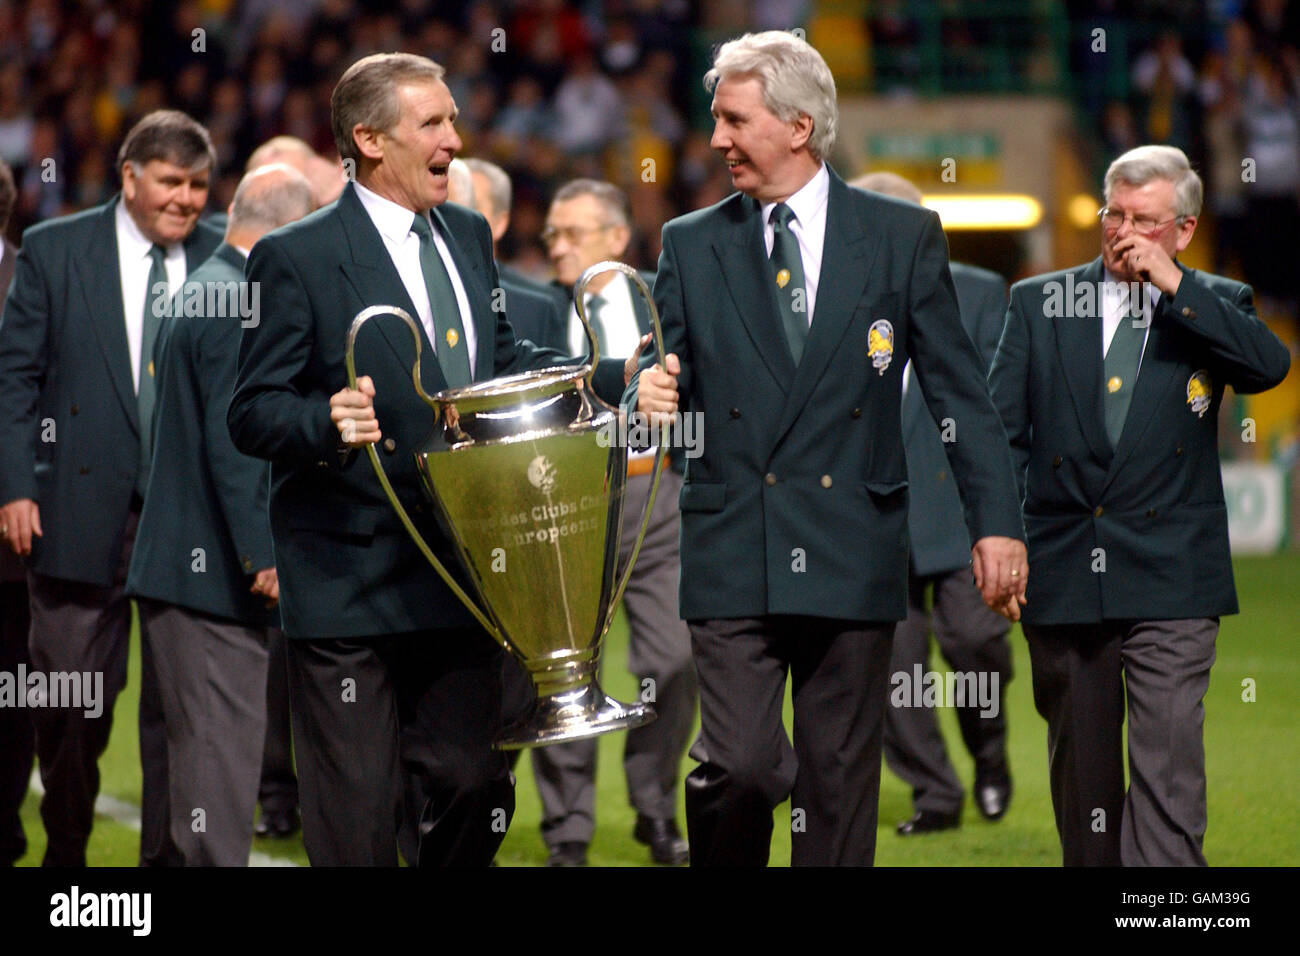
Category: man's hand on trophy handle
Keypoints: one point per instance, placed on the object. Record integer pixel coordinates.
(631, 362)
(657, 390)
(353, 414)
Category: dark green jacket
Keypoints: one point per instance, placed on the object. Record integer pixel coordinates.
(798, 504)
(940, 542)
(346, 566)
(203, 495)
(65, 374)
(1152, 508)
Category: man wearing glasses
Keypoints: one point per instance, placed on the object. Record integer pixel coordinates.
(1110, 396)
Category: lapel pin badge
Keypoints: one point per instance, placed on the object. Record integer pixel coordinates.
(452, 338)
(782, 278)
(1200, 391)
(880, 345)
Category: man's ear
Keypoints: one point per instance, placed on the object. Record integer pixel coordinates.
(369, 142)
(620, 236)
(128, 181)
(800, 131)
(1185, 233)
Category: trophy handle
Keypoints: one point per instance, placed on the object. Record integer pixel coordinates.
(361, 318)
(579, 297)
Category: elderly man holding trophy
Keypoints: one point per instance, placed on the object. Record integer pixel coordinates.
(394, 675)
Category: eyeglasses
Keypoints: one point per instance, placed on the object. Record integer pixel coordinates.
(1112, 219)
(570, 234)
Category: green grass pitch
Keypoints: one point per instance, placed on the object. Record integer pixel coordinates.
(1252, 750)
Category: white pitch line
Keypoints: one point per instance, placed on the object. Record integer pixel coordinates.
(128, 815)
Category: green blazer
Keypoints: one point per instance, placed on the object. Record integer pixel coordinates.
(798, 504)
(347, 567)
(203, 494)
(1152, 508)
(936, 529)
(70, 436)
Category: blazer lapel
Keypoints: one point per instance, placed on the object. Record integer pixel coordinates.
(1078, 340)
(848, 254)
(744, 272)
(100, 278)
(480, 300)
(1155, 376)
(373, 275)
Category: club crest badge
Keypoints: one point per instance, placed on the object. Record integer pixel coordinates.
(452, 337)
(880, 345)
(541, 474)
(782, 278)
(1200, 391)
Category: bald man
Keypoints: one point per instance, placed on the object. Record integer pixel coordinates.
(202, 569)
(326, 178)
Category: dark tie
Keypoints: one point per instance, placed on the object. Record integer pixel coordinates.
(1121, 366)
(594, 305)
(155, 303)
(787, 270)
(449, 332)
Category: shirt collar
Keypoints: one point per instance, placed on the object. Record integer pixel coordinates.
(808, 201)
(393, 221)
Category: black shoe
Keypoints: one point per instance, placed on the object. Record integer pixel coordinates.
(929, 821)
(992, 795)
(666, 843)
(278, 824)
(568, 854)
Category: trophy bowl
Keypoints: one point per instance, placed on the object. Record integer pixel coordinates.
(528, 487)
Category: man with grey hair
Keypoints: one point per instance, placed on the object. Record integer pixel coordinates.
(972, 638)
(395, 687)
(326, 178)
(202, 572)
(1109, 379)
(789, 311)
(77, 376)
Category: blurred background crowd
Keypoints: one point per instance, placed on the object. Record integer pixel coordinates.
(552, 89)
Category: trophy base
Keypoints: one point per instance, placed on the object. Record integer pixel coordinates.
(575, 714)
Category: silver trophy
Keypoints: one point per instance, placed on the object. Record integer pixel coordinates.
(530, 493)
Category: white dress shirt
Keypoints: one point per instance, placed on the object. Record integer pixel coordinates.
(617, 315)
(394, 225)
(1115, 309)
(809, 228)
(133, 265)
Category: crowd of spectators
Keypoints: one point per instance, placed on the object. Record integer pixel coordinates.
(552, 90)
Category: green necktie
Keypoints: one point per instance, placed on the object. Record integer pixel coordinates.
(155, 300)
(787, 270)
(1121, 367)
(453, 352)
(594, 305)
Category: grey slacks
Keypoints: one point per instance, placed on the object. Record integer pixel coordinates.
(212, 683)
(1082, 674)
(659, 651)
(973, 639)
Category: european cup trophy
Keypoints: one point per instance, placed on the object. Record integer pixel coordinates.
(529, 489)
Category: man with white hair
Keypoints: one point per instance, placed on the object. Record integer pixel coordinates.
(789, 311)
(1109, 378)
